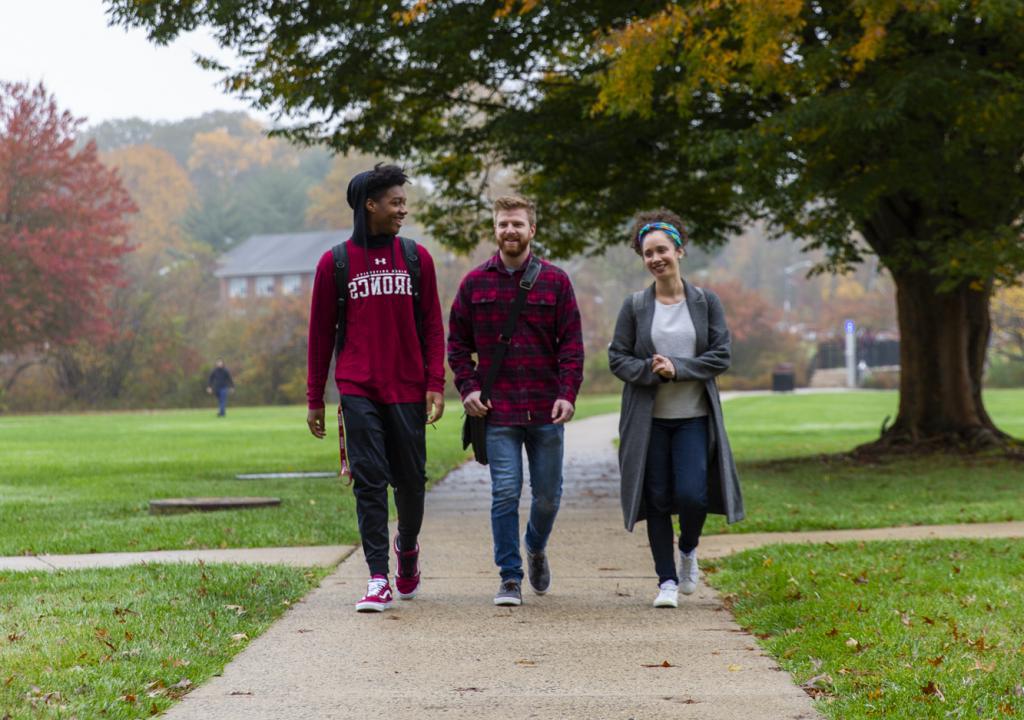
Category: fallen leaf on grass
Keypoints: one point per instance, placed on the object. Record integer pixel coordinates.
(178, 689)
(853, 644)
(935, 661)
(239, 610)
(239, 637)
(984, 668)
(819, 685)
(820, 681)
(932, 689)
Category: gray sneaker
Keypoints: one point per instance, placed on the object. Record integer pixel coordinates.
(689, 573)
(538, 571)
(509, 593)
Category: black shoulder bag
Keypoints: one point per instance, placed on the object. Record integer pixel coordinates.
(474, 429)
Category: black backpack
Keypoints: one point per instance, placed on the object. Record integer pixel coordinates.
(341, 266)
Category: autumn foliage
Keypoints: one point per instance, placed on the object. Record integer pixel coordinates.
(62, 223)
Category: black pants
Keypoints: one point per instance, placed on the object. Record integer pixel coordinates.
(386, 445)
(675, 481)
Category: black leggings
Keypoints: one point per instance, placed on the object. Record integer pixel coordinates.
(386, 445)
(675, 481)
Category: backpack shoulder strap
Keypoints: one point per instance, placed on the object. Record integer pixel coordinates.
(531, 274)
(412, 263)
(339, 253)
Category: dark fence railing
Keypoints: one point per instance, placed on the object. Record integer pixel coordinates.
(873, 352)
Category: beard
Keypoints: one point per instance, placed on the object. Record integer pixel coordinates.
(513, 248)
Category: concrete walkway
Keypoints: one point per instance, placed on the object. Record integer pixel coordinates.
(592, 647)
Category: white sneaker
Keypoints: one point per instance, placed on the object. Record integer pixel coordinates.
(668, 593)
(689, 573)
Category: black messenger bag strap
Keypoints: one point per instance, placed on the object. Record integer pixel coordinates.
(505, 338)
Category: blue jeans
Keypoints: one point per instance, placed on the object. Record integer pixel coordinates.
(544, 444)
(222, 400)
(675, 481)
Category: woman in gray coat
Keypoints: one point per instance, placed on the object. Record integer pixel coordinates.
(671, 343)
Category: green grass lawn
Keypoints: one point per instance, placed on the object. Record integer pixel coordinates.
(788, 483)
(82, 483)
(127, 642)
(894, 630)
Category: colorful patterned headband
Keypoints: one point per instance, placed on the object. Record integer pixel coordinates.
(669, 230)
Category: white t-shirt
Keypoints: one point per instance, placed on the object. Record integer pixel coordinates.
(674, 336)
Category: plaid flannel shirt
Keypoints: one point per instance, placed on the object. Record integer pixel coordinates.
(544, 362)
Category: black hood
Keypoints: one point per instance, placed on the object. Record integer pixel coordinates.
(356, 196)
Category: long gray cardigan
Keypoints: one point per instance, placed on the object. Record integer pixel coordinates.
(629, 357)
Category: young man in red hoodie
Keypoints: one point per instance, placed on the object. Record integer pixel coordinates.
(389, 374)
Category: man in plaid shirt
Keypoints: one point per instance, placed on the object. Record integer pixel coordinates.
(534, 394)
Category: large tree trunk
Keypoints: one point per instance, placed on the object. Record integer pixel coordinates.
(943, 339)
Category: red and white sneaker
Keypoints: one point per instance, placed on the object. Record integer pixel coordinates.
(378, 595)
(407, 578)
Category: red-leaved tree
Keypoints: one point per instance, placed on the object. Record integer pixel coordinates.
(62, 224)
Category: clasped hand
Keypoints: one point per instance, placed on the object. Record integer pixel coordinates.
(663, 366)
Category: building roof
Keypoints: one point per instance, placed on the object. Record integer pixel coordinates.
(284, 254)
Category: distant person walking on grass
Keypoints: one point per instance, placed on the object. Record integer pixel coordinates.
(220, 384)
(534, 393)
(671, 343)
(375, 308)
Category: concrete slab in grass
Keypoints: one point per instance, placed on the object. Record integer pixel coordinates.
(172, 506)
(285, 475)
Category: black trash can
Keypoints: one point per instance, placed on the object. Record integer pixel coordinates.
(783, 378)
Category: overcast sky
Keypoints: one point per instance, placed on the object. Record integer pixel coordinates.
(102, 72)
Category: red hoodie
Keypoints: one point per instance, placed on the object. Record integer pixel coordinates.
(382, 359)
